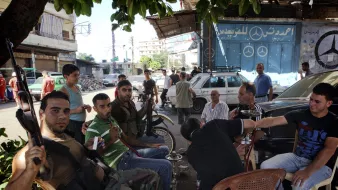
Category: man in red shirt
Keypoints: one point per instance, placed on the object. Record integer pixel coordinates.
(14, 87)
(3, 98)
(120, 78)
(48, 84)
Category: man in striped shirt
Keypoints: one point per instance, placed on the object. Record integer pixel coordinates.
(215, 109)
(118, 152)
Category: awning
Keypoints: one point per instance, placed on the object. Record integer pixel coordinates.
(181, 22)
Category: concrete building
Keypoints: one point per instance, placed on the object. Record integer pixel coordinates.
(51, 43)
(150, 47)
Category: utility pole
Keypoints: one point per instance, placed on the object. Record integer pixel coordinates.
(113, 52)
(132, 54)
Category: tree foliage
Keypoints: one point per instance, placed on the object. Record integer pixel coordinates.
(162, 58)
(126, 10)
(84, 56)
(147, 62)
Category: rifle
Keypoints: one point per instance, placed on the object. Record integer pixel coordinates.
(26, 113)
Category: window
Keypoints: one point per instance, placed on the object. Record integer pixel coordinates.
(65, 34)
(214, 82)
(234, 81)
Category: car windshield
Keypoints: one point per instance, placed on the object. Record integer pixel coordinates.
(139, 78)
(110, 76)
(303, 88)
(195, 79)
(38, 81)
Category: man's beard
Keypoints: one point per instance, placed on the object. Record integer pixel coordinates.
(54, 130)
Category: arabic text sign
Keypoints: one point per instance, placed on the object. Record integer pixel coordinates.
(253, 32)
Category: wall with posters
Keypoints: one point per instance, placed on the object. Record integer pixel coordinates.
(319, 46)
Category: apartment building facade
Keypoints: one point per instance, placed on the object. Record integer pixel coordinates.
(51, 43)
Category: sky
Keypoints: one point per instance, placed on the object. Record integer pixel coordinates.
(99, 42)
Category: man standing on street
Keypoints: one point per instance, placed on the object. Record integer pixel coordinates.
(263, 85)
(184, 102)
(174, 77)
(14, 87)
(165, 87)
(215, 109)
(77, 109)
(48, 84)
(3, 98)
(306, 69)
(150, 85)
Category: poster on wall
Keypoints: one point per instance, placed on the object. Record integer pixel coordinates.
(319, 47)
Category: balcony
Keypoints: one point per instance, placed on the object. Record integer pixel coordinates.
(34, 39)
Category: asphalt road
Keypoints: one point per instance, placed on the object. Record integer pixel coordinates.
(186, 180)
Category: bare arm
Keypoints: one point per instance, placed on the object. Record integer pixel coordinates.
(271, 121)
(324, 155)
(43, 88)
(171, 83)
(270, 93)
(24, 170)
(192, 92)
(156, 94)
(248, 123)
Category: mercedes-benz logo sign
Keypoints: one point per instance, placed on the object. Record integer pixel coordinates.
(332, 49)
(262, 51)
(248, 51)
(256, 33)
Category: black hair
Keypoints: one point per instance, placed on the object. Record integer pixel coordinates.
(69, 69)
(249, 87)
(100, 96)
(188, 127)
(183, 74)
(146, 71)
(183, 68)
(53, 95)
(121, 76)
(305, 64)
(324, 89)
(123, 83)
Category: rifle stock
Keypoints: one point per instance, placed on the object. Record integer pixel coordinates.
(26, 113)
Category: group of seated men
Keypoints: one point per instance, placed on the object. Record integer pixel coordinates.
(211, 152)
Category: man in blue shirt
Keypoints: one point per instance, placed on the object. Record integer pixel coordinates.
(263, 84)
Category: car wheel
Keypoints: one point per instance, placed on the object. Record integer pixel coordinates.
(198, 106)
(37, 97)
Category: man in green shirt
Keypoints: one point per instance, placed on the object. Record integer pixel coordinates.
(117, 151)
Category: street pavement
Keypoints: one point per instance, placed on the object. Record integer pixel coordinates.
(186, 180)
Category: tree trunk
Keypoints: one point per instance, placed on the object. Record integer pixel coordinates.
(17, 21)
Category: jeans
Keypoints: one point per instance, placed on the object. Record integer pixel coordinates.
(183, 114)
(152, 158)
(292, 163)
(151, 139)
(262, 99)
(164, 96)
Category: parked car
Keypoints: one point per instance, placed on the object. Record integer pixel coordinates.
(35, 74)
(36, 88)
(227, 83)
(137, 82)
(160, 83)
(280, 139)
(110, 80)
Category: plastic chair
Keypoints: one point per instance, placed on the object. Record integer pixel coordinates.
(267, 179)
(326, 183)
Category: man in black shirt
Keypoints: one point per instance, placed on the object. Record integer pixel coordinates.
(211, 152)
(150, 85)
(317, 139)
(174, 78)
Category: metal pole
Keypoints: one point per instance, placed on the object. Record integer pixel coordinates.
(209, 56)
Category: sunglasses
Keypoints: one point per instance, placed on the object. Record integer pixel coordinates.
(125, 90)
